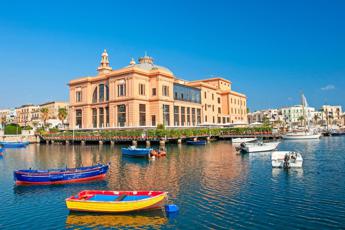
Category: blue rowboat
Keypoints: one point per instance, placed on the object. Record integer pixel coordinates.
(199, 142)
(7, 145)
(60, 176)
(136, 152)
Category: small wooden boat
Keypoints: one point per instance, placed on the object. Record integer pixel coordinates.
(197, 142)
(5, 144)
(136, 152)
(286, 159)
(116, 201)
(60, 176)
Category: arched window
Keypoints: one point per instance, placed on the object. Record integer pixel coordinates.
(106, 92)
(94, 95)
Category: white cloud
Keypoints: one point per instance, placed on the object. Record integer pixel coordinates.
(328, 87)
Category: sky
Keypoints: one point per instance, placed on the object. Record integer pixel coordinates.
(272, 51)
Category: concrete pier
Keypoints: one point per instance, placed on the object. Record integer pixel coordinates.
(82, 142)
(179, 141)
(148, 144)
(134, 143)
(100, 142)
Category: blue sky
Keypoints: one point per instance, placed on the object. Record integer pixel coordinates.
(271, 50)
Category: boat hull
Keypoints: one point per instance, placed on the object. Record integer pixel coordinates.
(154, 202)
(196, 142)
(13, 144)
(301, 137)
(25, 177)
(136, 152)
(255, 148)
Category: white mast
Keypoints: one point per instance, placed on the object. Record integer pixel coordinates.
(305, 111)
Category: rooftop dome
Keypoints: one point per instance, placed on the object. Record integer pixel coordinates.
(146, 63)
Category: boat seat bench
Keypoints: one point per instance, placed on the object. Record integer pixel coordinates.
(124, 197)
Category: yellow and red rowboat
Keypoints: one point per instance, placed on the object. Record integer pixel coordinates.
(116, 201)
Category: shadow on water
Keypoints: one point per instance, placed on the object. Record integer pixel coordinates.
(149, 219)
(135, 160)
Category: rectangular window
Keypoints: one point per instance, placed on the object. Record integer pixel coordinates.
(228, 120)
(198, 116)
(205, 95)
(176, 116)
(188, 116)
(121, 90)
(205, 118)
(142, 114)
(213, 108)
(153, 120)
(78, 96)
(107, 122)
(213, 120)
(193, 116)
(121, 115)
(205, 107)
(183, 116)
(219, 110)
(218, 100)
(101, 118)
(154, 92)
(219, 120)
(165, 90)
(141, 89)
(223, 120)
(186, 93)
(166, 115)
(212, 96)
(79, 118)
(94, 118)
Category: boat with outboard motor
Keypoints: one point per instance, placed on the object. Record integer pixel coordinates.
(133, 151)
(286, 159)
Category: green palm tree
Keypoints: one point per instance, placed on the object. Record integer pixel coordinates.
(301, 119)
(62, 114)
(45, 115)
(316, 118)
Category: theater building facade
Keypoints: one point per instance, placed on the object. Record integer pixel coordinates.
(144, 95)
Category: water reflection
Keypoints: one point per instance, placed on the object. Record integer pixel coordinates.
(153, 219)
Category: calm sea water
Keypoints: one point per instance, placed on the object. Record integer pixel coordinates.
(213, 186)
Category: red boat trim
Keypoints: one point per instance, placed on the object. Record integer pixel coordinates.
(62, 181)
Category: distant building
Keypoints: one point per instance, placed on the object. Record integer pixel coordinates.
(293, 113)
(53, 109)
(144, 94)
(332, 113)
(28, 115)
(273, 115)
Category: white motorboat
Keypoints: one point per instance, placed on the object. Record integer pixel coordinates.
(242, 140)
(259, 147)
(302, 135)
(286, 159)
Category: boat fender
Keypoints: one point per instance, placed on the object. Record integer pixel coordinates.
(171, 208)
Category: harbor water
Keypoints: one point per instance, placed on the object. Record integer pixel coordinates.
(213, 186)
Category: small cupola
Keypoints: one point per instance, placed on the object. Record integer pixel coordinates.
(104, 66)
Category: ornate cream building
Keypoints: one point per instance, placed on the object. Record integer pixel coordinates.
(144, 94)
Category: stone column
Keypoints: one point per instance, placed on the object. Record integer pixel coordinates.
(100, 142)
(179, 141)
(82, 142)
(67, 142)
(112, 143)
(162, 143)
(134, 143)
(148, 144)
